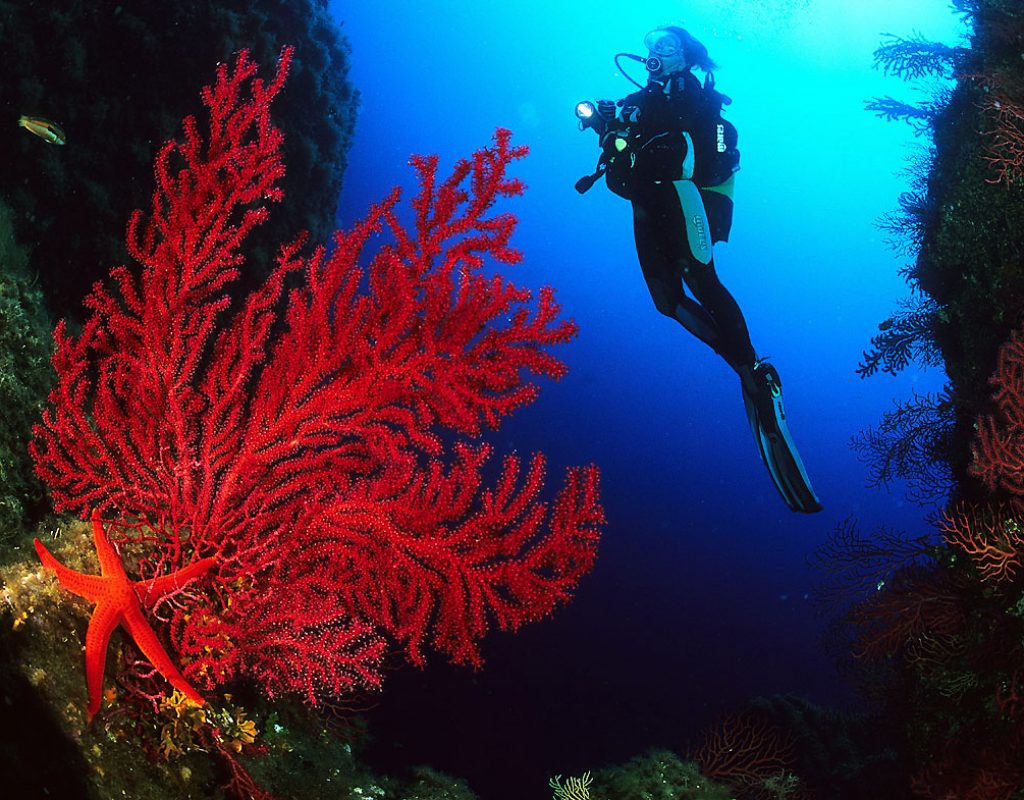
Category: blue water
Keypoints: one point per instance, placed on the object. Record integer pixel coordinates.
(700, 597)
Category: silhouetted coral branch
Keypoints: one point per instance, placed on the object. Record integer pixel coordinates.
(911, 444)
(854, 565)
(906, 228)
(908, 335)
(916, 57)
(920, 116)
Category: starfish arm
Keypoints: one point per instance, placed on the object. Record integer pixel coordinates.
(102, 623)
(150, 591)
(151, 648)
(110, 561)
(91, 587)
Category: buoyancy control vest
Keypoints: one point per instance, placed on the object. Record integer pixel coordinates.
(662, 133)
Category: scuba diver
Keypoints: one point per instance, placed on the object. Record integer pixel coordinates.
(668, 150)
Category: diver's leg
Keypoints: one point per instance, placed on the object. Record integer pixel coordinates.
(762, 389)
(689, 236)
(734, 344)
(657, 224)
(695, 318)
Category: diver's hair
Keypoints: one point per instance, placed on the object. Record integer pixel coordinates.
(696, 53)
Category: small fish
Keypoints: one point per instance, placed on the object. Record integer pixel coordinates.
(45, 129)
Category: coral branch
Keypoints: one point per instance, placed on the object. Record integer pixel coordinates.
(318, 441)
(1005, 140)
(993, 539)
(999, 445)
(745, 751)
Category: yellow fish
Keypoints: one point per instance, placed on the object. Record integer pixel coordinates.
(45, 129)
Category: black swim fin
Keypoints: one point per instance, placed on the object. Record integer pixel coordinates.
(762, 397)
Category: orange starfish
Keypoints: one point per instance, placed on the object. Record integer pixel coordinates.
(117, 602)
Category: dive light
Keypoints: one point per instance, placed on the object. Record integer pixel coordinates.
(585, 110)
(586, 113)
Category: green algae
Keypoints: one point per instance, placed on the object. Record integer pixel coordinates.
(25, 378)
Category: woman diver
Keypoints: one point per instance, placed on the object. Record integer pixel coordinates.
(668, 150)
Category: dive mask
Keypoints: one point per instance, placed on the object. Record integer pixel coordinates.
(664, 44)
(665, 53)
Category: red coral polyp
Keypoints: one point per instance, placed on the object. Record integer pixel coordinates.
(318, 441)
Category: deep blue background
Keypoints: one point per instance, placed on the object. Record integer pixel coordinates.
(700, 597)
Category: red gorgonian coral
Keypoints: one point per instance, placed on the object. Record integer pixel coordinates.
(746, 751)
(992, 534)
(999, 446)
(317, 440)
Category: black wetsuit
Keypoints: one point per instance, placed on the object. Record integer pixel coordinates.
(664, 111)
